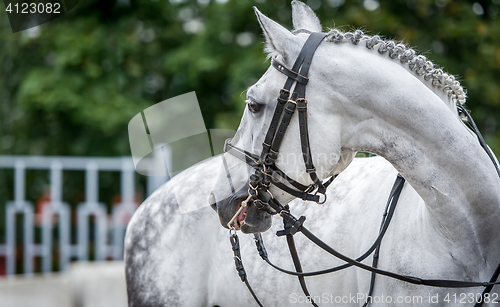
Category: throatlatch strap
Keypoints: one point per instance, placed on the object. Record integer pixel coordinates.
(305, 146)
(279, 173)
(299, 194)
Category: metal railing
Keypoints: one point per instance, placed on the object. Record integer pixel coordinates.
(91, 207)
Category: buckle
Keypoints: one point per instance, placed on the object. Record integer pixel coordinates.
(269, 160)
(293, 102)
(226, 144)
(310, 170)
(284, 92)
(266, 185)
(301, 103)
(272, 156)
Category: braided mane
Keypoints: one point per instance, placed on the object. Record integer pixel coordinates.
(417, 63)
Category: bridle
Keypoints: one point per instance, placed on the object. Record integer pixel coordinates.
(266, 173)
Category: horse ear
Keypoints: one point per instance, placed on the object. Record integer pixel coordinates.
(304, 18)
(278, 39)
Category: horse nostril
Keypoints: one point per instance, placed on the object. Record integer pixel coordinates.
(212, 201)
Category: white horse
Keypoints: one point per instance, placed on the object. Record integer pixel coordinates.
(372, 95)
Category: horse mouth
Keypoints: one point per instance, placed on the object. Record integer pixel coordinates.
(240, 218)
(249, 219)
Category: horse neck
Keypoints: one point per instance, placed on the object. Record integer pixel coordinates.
(402, 120)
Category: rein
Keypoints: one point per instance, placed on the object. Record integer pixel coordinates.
(266, 173)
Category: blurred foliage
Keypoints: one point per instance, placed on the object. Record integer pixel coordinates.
(69, 87)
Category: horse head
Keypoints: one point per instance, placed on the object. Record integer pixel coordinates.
(328, 157)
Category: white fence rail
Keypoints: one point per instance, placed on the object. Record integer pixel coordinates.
(90, 207)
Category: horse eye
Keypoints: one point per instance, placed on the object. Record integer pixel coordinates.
(253, 106)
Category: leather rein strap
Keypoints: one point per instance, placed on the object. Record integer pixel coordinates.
(294, 225)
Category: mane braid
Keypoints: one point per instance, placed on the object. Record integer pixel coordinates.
(417, 63)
